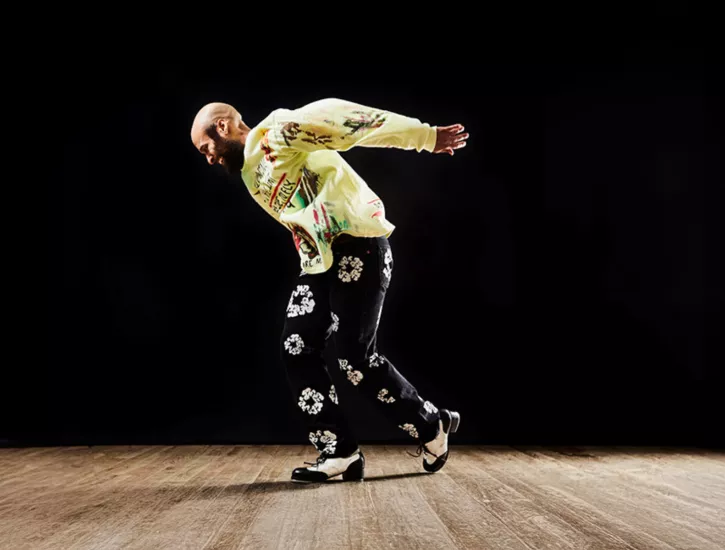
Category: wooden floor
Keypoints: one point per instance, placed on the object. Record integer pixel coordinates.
(502, 498)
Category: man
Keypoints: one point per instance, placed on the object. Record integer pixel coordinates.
(291, 164)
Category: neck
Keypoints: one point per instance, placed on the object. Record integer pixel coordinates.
(244, 132)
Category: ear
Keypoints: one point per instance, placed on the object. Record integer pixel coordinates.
(222, 126)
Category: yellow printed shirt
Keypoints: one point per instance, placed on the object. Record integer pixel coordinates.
(294, 170)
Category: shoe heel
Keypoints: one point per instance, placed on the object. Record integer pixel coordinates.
(455, 421)
(356, 470)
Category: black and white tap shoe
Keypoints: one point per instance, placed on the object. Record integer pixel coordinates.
(436, 452)
(325, 467)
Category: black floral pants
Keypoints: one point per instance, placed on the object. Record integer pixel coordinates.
(345, 303)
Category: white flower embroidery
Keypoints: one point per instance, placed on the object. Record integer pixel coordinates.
(430, 407)
(326, 437)
(333, 395)
(306, 305)
(375, 360)
(353, 376)
(354, 270)
(381, 395)
(294, 344)
(410, 429)
(333, 326)
(388, 270)
(315, 396)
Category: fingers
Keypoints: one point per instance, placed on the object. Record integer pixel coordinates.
(457, 142)
(453, 129)
(453, 148)
(451, 138)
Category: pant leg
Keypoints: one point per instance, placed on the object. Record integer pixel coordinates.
(359, 282)
(308, 325)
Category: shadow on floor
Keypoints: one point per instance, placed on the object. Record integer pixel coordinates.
(275, 486)
(169, 496)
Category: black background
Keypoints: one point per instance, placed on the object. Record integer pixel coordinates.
(560, 280)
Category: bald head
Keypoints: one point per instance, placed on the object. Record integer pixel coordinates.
(219, 133)
(209, 115)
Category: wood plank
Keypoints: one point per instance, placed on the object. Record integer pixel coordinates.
(404, 519)
(693, 515)
(691, 474)
(132, 506)
(240, 496)
(541, 522)
(71, 466)
(192, 504)
(503, 465)
(666, 475)
(302, 516)
(41, 463)
(212, 506)
(158, 512)
(254, 502)
(468, 523)
(82, 511)
(36, 509)
(622, 500)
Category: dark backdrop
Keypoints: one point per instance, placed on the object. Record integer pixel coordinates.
(560, 280)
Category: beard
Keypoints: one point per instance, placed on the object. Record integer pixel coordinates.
(232, 152)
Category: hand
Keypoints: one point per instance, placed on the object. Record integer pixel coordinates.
(450, 138)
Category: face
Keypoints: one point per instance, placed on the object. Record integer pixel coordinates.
(220, 146)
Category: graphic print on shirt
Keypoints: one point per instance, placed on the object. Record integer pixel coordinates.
(305, 245)
(327, 226)
(337, 200)
(264, 181)
(364, 120)
(324, 226)
(282, 193)
(292, 130)
(264, 146)
(306, 191)
(276, 193)
(309, 186)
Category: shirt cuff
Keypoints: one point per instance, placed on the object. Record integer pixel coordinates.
(431, 139)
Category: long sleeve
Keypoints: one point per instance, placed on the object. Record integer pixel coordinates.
(339, 125)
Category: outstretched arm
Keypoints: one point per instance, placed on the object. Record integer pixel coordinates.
(339, 125)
